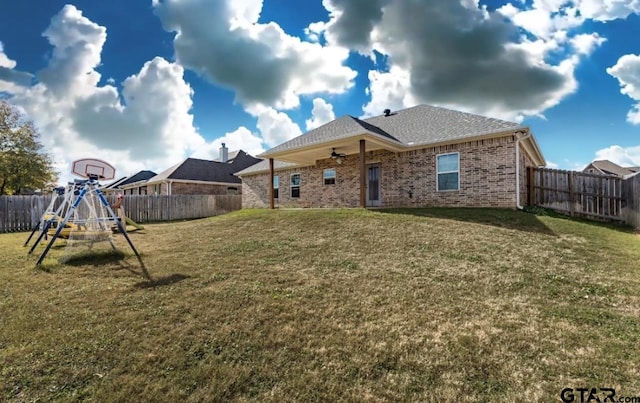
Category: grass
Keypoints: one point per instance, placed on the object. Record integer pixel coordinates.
(462, 305)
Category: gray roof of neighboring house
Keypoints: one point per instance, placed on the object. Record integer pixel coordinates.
(114, 184)
(422, 124)
(264, 166)
(207, 171)
(140, 176)
(125, 180)
(612, 168)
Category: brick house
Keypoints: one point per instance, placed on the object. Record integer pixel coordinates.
(606, 167)
(420, 156)
(198, 176)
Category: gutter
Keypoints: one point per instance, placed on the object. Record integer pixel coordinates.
(526, 136)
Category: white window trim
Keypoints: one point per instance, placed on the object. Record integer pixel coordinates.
(291, 186)
(334, 177)
(448, 172)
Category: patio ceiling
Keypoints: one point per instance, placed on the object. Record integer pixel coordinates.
(310, 154)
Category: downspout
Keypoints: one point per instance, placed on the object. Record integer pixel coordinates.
(519, 139)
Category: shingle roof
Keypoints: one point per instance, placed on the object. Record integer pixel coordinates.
(140, 176)
(115, 183)
(426, 124)
(207, 171)
(264, 166)
(612, 168)
(419, 125)
(344, 127)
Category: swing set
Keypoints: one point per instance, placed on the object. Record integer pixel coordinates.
(84, 214)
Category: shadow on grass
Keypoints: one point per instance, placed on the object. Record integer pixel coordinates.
(172, 279)
(94, 258)
(503, 218)
(103, 258)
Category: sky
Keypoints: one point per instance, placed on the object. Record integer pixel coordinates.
(145, 84)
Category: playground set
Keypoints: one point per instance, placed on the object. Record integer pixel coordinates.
(84, 215)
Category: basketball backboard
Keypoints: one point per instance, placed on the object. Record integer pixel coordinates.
(89, 167)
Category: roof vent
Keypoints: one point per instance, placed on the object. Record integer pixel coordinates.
(387, 112)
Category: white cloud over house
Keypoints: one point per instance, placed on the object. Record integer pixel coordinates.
(627, 71)
(321, 113)
(459, 54)
(623, 156)
(262, 64)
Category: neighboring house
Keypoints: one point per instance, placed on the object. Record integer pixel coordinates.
(197, 176)
(129, 185)
(420, 156)
(606, 167)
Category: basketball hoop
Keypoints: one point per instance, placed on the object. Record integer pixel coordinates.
(90, 168)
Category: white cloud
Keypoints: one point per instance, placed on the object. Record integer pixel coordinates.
(275, 127)
(465, 57)
(627, 71)
(390, 90)
(629, 156)
(77, 118)
(239, 139)
(321, 113)
(11, 80)
(607, 10)
(260, 62)
(585, 44)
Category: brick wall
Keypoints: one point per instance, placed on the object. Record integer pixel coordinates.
(408, 179)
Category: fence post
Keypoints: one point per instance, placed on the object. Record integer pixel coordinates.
(571, 206)
(532, 188)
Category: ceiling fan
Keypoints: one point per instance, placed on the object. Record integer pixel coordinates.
(335, 155)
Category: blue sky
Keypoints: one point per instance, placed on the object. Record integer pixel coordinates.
(145, 84)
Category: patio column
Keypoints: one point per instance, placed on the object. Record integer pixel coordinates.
(271, 200)
(363, 177)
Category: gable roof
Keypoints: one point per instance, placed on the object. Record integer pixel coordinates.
(114, 184)
(127, 180)
(611, 168)
(419, 125)
(194, 169)
(140, 176)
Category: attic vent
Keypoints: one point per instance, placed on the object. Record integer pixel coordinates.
(387, 112)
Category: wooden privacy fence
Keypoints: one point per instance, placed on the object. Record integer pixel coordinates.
(587, 195)
(22, 213)
(631, 201)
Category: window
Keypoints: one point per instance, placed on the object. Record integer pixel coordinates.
(276, 186)
(295, 185)
(448, 171)
(157, 189)
(232, 190)
(329, 176)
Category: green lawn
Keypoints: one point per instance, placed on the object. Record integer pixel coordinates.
(461, 305)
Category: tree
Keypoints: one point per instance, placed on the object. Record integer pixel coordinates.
(23, 163)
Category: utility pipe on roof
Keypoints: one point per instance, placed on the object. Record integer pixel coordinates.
(518, 140)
